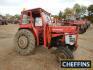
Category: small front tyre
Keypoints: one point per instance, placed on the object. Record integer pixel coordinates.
(63, 53)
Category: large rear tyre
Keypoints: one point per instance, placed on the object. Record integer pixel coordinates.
(24, 42)
(63, 53)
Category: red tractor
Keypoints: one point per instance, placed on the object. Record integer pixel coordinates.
(36, 29)
(82, 24)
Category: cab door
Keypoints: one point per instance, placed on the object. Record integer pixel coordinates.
(26, 20)
(39, 27)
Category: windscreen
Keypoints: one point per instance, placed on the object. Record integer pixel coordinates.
(47, 18)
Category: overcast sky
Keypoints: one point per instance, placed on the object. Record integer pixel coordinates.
(53, 6)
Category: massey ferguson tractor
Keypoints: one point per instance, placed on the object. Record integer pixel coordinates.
(36, 29)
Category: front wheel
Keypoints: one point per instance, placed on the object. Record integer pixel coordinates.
(71, 47)
(24, 42)
(63, 53)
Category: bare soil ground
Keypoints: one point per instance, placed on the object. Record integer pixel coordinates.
(43, 59)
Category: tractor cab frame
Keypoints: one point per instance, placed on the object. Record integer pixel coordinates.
(36, 29)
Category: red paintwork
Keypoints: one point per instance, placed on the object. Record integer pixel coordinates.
(64, 29)
(76, 22)
(25, 26)
(45, 35)
(59, 30)
(46, 30)
(36, 35)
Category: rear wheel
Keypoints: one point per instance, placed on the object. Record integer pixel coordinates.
(24, 42)
(63, 53)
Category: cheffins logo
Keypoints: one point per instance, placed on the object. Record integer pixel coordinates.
(76, 64)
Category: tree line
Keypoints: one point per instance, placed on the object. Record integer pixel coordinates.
(78, 11)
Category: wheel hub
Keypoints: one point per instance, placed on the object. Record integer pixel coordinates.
(23, 42)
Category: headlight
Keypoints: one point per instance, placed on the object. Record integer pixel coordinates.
(70, 39)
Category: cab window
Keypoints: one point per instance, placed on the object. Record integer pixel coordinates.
(47, 18)
(26, 18)
(38, 21)
(37, 18)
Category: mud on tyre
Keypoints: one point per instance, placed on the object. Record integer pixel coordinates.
(24, 42)
(63, 53)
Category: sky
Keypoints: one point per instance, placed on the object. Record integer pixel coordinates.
(53, 6)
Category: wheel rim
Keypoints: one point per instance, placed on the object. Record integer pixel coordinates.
(23, 42)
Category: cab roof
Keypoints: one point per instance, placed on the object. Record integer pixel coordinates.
(37, 10)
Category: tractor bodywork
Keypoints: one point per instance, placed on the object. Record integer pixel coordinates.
(38, 22)
(82, 24)
(47, 31)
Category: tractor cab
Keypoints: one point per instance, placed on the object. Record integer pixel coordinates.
(37, 29)
(36, 16)
(35, 19)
